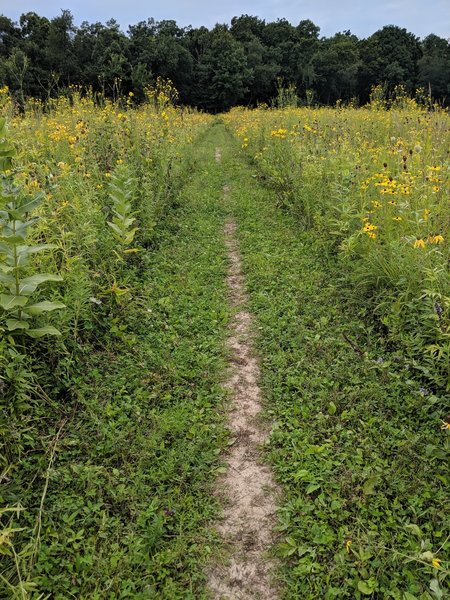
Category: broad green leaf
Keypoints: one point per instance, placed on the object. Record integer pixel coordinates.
(13, 324)
(116, 229)
(23, 252)
(32, 204)
(367, 587)
(47, 330)
(44, 306)
(7, 279)
(369, 485)
(35, 249)
(414, 529)
(332, 408)
(14, 214)
(312, 487)
(28, 285)
(8, 302)
(12, 239)
(436, 589)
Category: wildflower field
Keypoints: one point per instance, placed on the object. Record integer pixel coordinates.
(113, 321)
(374, 186)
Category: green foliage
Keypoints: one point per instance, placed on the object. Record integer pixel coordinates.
(374, 195)
(356, 441)
(286, 95)
(135, 433)
(16, 299)
(216, 68)
(122, 191)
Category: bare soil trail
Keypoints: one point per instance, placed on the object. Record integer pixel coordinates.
(248, 486)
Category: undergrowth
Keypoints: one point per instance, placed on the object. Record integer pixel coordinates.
(110, 449)
(357, 442)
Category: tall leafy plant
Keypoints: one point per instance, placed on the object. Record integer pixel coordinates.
(17, 286)
(122, 191)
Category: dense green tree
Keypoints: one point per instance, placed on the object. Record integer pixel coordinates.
(263, 69)
(389, 57)
(434, 66)
(223, 71)
(33, 42)
(336, 64)
(10, 36)
(102, 55)
(59, 47)
(215, 69)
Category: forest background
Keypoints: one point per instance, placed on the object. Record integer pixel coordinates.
(245, 63)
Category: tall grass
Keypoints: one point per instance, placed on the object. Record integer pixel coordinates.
(91, 185)
(373, 184)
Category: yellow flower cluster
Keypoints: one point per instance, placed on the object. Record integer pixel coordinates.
(279, 133)
(369, 229)
(432, 239)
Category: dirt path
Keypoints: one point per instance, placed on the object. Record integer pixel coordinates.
(248, 486)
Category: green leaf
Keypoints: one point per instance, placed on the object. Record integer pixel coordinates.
(29, 284)
(34, 249)
(7, 279)
(436, 589)
(369, 485)
(8, 302)
(312, 487)
(115, 228)
(408, 596)
(367, 587)
(23, 252)
(44, 306)
(47, 330)
(32, 204)
(13, 240)
(414, 529)
(13, 324)
(332, 408)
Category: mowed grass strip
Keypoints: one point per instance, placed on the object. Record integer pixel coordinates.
(129, 502)
(356, 442)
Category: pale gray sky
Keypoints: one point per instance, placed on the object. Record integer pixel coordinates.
(362, 17)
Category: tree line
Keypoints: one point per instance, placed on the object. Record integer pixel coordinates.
(215, 69)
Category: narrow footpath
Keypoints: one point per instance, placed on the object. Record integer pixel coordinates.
(247, 489)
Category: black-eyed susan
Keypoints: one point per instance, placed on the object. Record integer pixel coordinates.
(436, 239)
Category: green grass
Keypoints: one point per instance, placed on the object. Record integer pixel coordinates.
(129, 502)
(356, 443)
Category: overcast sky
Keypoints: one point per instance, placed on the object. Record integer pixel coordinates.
(362, 17)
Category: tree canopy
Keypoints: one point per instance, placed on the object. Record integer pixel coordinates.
(214, 69)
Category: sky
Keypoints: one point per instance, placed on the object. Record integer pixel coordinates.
(361, 17)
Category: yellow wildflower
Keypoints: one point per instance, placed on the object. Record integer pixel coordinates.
(419, 244)
(436, 562)
(435, 239)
